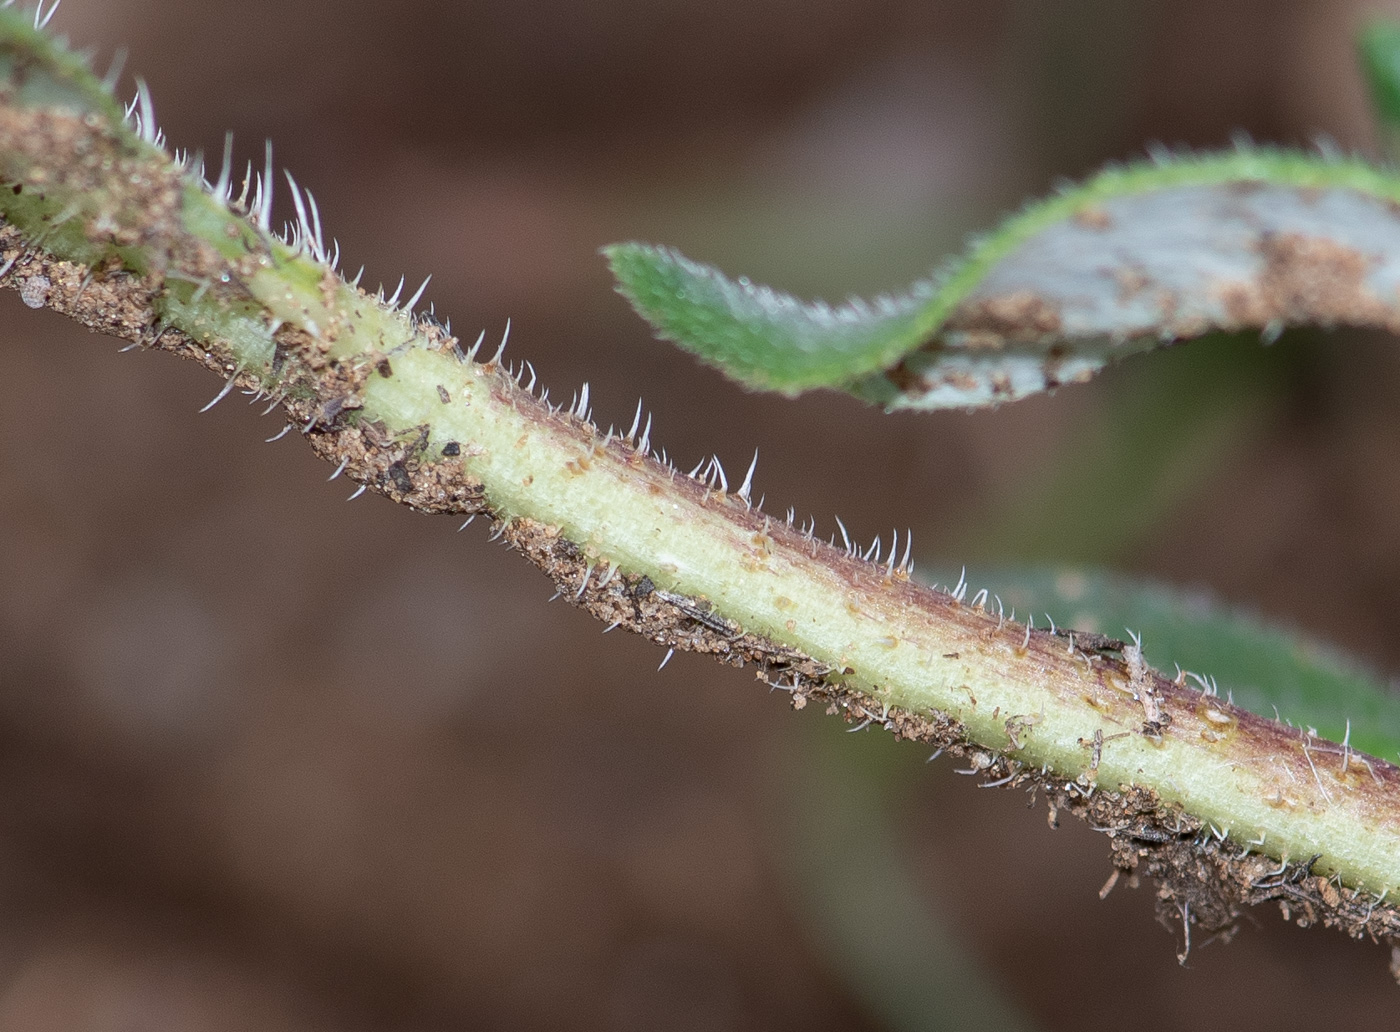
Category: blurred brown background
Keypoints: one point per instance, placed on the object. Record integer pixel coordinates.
(254, 770)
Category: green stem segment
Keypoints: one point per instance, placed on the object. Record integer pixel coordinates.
(83, 187)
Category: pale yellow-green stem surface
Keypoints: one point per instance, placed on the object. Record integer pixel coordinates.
(84, 188)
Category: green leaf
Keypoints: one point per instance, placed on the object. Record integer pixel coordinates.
(758, 335)
(1138, 256)
(1259, 665)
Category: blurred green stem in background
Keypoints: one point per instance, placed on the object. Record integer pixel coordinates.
(1379, 47)
(1158, 434)
(865, 911)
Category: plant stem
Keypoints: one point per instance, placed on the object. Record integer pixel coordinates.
(106, 227)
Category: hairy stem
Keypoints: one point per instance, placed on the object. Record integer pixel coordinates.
(1225, 806)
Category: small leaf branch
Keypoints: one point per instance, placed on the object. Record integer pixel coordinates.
(1226, 808)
